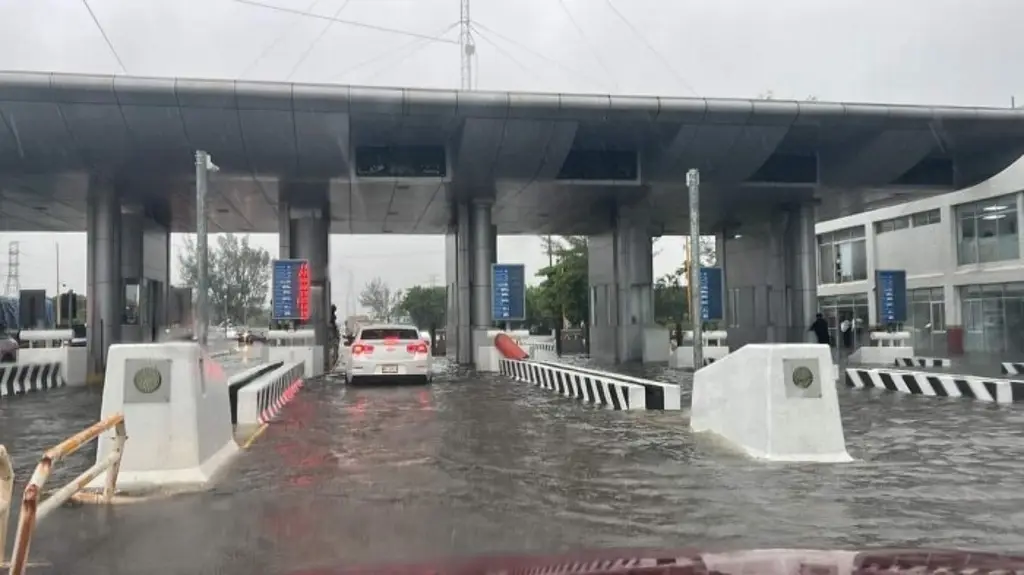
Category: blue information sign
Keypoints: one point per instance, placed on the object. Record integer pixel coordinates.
(711, 294)
(288, 284)
(892, 295)
(508, 292)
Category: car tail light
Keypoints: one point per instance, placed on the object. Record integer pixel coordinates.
(419, 347)
(361, 348)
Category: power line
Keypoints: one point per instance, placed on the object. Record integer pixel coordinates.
(415, 49)
(277, 40)
(651, 48)
(323, 32)
(353, 23)
(535, 53)
(438, 37)
(103, 33)
(509, 56)
(586, 41)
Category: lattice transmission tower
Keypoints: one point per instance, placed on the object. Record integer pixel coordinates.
(467, 45)
(13, 285)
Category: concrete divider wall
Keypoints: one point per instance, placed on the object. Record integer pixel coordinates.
(261, 400)
(776, 402)
(937, 384)
(563, 380)
(19, 378)
(240, 380)
(1012, 367)
(657, 394)
(72, 361)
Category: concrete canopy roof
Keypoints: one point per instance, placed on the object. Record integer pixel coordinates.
(58, 130)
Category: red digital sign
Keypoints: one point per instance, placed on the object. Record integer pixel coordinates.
(302, 299)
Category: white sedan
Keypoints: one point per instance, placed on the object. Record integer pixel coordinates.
(388, 353)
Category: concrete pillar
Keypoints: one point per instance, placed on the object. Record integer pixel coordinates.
(720, 261)
(105, 284)
(482, 241)
(135, 329)
(801, 264)
(307, 236)
(464, 296)
(621, 281)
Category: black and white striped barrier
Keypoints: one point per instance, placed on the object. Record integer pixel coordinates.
(923, 362)
(937, 385)
(657, 394)
(564, 380)
(19, 378)
(260, 401)
(1012, 367)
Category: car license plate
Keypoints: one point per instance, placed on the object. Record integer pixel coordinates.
(389, 369)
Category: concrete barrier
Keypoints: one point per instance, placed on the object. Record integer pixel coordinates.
(239, 380)
(177, 412)
(610, 393)
(774, 402)
(937, 384)
(55, 346)
(294, 346)
(886, 349)
(540, 350)
(923, 362)
(714, 349)
(19, 378)
(260, 401)
(658, 395)
(1012, 367)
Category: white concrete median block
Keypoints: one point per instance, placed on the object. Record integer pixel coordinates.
(775, 402)
(176, 411)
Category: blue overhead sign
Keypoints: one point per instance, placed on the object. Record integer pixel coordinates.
(290, 289)
(891, 286)
(711, 308)
(508, 292)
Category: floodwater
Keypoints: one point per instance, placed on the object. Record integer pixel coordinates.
(479, 464)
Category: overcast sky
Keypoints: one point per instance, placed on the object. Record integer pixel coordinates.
(905, 51)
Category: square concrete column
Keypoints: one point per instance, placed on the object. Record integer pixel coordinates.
(304, 233)
(105, 289)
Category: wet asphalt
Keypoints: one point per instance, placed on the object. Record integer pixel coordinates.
(479, 464)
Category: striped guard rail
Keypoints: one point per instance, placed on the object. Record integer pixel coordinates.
(1012, 367)
(923, 362)
(260, 401)
(19, 378)
(565, 381)
(657, 394)
(937, 385)
(238, 381)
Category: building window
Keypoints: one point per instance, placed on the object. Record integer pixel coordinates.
(993, 318)
(852, 308)
(987, 231)
(926, 320)
(892, 225)
(842, 256)
(927, 218)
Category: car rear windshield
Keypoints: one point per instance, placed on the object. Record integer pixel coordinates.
(369, 334)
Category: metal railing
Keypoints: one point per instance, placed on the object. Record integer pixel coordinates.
(34, 508)
(6, 496)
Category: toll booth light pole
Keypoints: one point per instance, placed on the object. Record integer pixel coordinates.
(693, 184)
(204, 165)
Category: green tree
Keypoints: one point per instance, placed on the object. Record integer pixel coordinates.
(563, 291)
(383, 302)
(239, 276)
(670, 295)
(426, 306)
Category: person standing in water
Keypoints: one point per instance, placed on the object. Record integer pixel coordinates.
(820, 329)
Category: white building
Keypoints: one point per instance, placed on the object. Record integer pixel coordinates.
(963, 256)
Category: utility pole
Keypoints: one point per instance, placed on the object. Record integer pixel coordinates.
(204, 165)
(467, 45)
(693, 184)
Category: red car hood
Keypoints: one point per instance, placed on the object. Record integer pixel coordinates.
(702, 562)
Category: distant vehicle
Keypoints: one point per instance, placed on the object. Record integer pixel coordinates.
(386, 352)
(249, 336)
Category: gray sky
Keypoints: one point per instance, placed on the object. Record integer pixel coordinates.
(909, 51)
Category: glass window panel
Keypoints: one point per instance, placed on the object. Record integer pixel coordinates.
(965, 210)
(826, 264)
(856, 232)
(1009, 246)
(938, 317)
(845, 257)
(967, 248)
(860, 260)
(901, 223)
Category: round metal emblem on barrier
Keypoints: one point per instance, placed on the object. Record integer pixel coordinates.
(803, 377)
(148, 380)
